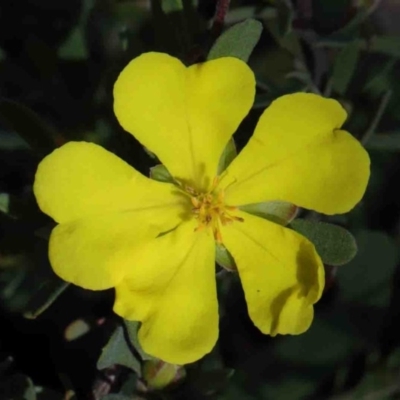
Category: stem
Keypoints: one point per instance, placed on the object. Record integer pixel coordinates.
(374, 123)
(221, 10)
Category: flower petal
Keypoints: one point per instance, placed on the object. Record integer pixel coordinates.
(172, 290)
(297, 154)
(82, 179)
(281, 274)
(184, 115)
(97, 252)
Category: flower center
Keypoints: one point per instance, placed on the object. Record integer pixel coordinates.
(211, 211)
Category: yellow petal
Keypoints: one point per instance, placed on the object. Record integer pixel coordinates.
(97, 252)
(82, 179)
(172, 290)
(297, 154)
(184, 115)
(281, 274)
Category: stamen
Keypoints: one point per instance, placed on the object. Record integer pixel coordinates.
(195, 202)
(210, 210)
(215, 183)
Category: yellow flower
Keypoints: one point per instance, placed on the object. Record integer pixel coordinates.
(155, 242)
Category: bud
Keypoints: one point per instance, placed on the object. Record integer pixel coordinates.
(159, 374)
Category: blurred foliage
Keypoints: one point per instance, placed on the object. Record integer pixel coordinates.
(58, 62)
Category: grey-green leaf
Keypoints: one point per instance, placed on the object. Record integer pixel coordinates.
(4, 203)
(389, 45)
(29, 126)
(380, 80)
(388, 142)
(228, 155)
(115, 396)
(224, 258)
(30, 391)
(344, 67)
(132, 328)
(212, 381)
(17, 386)
(367, 279)
(279, 212)
(161, 174)
(117, 351)
(335, 245)
(285, 16)
(74, 48)
(238, 41)
(169, 6)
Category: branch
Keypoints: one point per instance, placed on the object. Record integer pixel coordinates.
(374, 123)
(221, 10)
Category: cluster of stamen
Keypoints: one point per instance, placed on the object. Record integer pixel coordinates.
(211, 211)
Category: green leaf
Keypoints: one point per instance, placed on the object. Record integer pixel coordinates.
(211, 381)
(228, 155)
(328, 343)
(367, 278)
(280, 212)
(169, 6)
(224, 258)
(389, 45)
(115, 396)
(132, 384)
(393, 361)
(335, 245)
(344, 67)
(132, 328)
(29, 126)
(238, 14)
(263, 100)
(117, 351)
(44, 393)
(380, 111)
(30, 392)
(149, 153)
(380, 78)
(17, 387)
(4, 203)
(74, 48)
(238, 41)
(289, 41)
(351, 27)
(161, 174)
(285, 17)
(379, 380)
(30, 286)
(44, 297)
(385, 141)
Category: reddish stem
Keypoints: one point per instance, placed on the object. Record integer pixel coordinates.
(221, 10)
